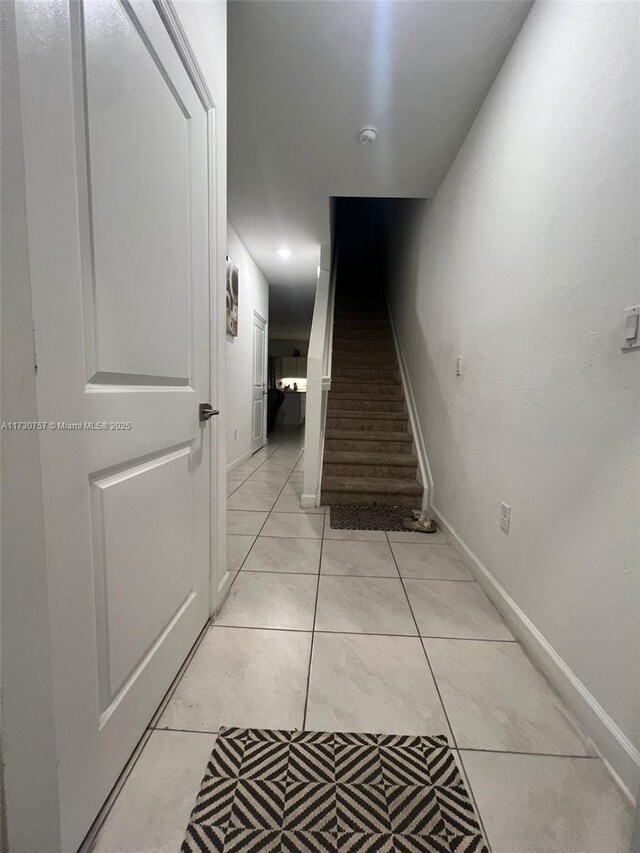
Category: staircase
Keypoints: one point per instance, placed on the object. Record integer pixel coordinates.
(368, 455)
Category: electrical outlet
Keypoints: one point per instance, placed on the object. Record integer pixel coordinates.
(459, 366)
(505, 517)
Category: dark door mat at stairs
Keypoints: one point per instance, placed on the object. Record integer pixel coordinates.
(368, 517)
(321, 792)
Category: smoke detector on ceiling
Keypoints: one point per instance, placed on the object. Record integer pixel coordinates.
(367, 135)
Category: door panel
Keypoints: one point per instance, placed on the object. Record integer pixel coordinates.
(143, 524)
(117, 147)
(259, 409)
(139, 214)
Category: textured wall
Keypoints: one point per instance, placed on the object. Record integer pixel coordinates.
(523, 264)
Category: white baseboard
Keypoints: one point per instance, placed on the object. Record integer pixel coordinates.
(237, 462)
(615, 748)
(424, 468)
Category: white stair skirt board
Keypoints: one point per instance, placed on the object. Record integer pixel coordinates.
(619, 754)
(425, 477)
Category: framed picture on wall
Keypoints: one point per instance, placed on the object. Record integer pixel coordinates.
(232, 299)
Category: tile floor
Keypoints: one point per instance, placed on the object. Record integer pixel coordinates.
(367, 631)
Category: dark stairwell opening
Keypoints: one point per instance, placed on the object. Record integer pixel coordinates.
(369, 455)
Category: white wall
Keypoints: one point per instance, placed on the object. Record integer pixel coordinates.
(523, 265)
(253, 294)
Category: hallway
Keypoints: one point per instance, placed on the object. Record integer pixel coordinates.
(367, 631)
(413, 226)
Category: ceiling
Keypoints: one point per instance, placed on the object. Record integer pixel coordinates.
(305, 75)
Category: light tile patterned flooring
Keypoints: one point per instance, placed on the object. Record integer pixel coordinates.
(367, 631)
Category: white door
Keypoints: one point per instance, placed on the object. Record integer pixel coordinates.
(116, 161)
(259, 390)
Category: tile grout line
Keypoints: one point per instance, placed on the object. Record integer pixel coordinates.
(242, 482)
(339, 574)
(187, 731)
(562, 755)
(266, 519)
(351, 633)
(313, 635)
(263, 523)
(444, 710)
(91, 838)
(275, 450)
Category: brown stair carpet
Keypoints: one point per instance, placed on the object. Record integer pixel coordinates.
(368, 456)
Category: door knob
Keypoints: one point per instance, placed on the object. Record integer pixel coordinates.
(207, 412)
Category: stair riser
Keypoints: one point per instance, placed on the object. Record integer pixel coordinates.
(344, 469)
(364, 374)
(361, 321)
(375, 348)
(361, 445)
(376, 312)
(378, 306)
(362, 425)
(344, 498)
(364, 360)
(338, 404)
(365, 389)
(344, 328)
(364, 334)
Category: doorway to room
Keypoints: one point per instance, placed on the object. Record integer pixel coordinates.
(259, 383)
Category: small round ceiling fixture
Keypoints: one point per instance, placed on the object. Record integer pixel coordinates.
(284, 253)
(367, 134)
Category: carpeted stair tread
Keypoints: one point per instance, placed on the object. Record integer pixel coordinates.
(367, 404)
(373, 498)
(360, 383)
(341, 420)
(350, 346)
(369, 435)
(365, 359)
(379, 485)
(373, 458)
(360, 391)
(360, 376)
(360, 426)
(370, 416)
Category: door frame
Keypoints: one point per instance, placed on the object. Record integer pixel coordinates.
(28, 738)
(217, 544)
(257, 314)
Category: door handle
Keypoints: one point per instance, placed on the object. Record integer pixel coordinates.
(207, 412)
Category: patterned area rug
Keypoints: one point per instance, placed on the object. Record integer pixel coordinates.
(368, 517)
(320, 792)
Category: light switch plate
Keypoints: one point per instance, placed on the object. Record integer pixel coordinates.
(631, 328)
(505, 517)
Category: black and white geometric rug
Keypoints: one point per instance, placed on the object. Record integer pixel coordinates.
(368, 517)
(321, 792)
